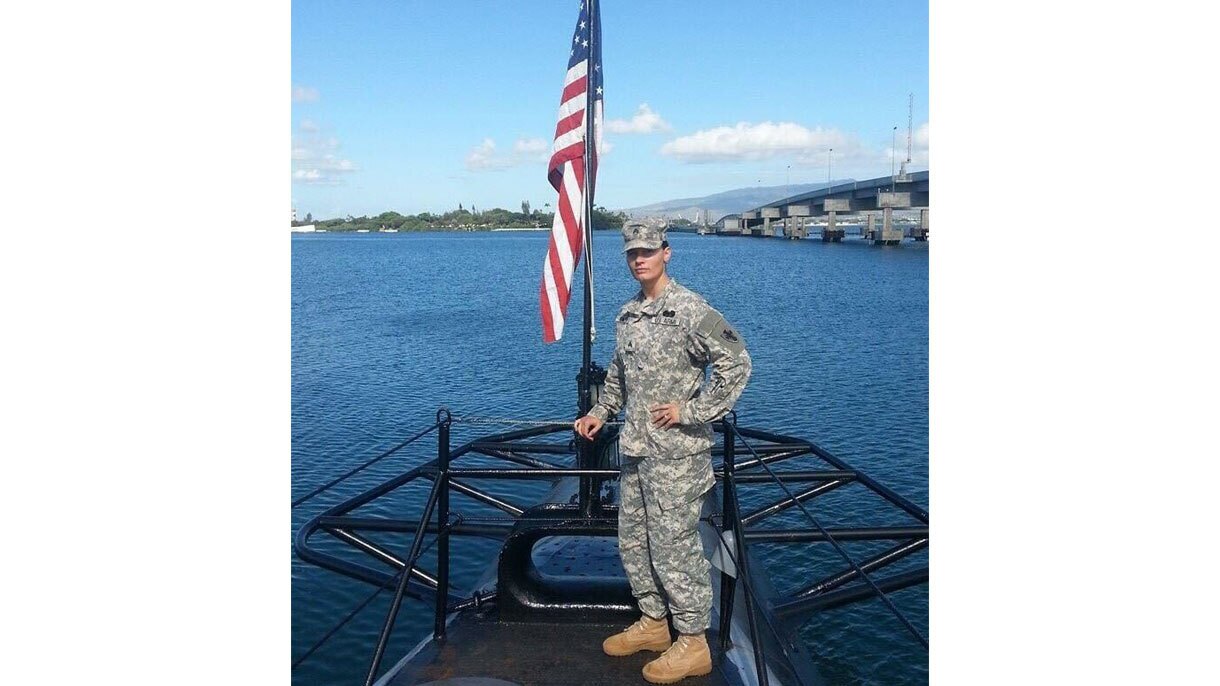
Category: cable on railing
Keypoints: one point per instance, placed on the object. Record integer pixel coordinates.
(371, 462)
(474, 419)
(351, 615)
(296, 663)
(533, 520)
(884, 598)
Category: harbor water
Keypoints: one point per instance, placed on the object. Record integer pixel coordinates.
(386, 328)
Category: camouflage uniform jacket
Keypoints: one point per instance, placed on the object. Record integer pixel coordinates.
(661, 351)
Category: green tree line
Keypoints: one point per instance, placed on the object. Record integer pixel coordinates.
(463, 219)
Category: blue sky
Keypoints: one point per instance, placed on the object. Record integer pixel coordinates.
(420, 106)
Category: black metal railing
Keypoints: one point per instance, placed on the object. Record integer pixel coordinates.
(857, 568)
(769, 621)
(740, 560)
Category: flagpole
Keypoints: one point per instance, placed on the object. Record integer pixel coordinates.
(586, 399)
(587, 496)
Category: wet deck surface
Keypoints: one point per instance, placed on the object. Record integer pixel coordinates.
(533, 654)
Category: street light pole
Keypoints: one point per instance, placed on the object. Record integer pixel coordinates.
(828, 151)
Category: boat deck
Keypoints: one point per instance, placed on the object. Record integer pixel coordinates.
(493, 653)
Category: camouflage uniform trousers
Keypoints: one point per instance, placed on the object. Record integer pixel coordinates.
(658, 536)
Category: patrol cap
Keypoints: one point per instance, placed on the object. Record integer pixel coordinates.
(643, 233)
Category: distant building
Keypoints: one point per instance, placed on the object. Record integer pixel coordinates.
(301, 228)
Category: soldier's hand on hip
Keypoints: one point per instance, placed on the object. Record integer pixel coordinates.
(588, 426)
(664, 416)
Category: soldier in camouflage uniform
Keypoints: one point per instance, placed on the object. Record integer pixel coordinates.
(665, 338)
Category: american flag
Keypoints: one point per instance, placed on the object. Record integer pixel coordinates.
(566, 170)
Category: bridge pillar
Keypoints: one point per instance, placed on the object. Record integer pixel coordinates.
(870, 229)
(746, 229)
(920, 233)
(794, 228)
(831, 233)
(796, 218)
(769, 213)
(889, 235)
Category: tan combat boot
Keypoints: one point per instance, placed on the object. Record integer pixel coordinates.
(688, 656)
(645, 634)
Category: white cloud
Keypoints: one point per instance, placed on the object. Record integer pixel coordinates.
(487, 156)
(644, 121)
(801, 146)
(747, 141)
(531, 146)
(316, 159)
(526, 151)
(327, 170)
(304, 94)
(483, 157)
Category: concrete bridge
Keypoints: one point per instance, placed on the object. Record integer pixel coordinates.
(876, 199)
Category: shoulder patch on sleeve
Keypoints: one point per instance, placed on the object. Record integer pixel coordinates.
(730, 339)
(714, 327)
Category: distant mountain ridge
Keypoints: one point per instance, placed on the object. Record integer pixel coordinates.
(726, 202)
